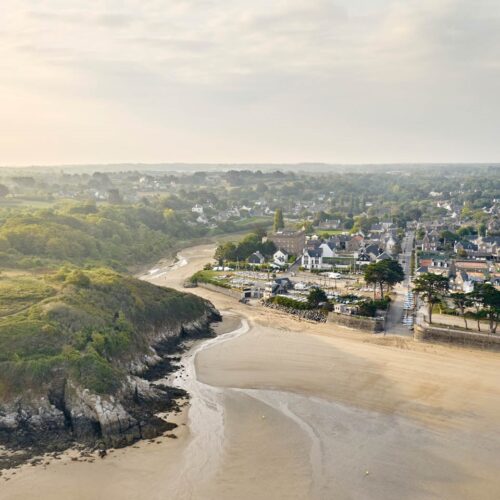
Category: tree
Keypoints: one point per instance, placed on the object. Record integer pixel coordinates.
(374, 275)
(431, 288)
(316, 297)
(4, 191)
(225, 252)
(306, 226)
(488, 298)
(461, 301)
(278, 219)
(385, 272)
(394, 272)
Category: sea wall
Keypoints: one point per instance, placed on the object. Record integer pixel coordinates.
(372, 325)
(426, 332)
(313, 315)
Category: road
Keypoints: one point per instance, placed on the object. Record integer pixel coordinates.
(394, 323)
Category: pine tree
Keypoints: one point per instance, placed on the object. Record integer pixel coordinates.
(278, 219)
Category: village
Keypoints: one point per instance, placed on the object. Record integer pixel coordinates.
(335, 274)
(287, 233)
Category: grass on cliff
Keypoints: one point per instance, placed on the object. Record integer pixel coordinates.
(81, 325)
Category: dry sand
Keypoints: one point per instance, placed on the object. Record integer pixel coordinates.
(287, 409)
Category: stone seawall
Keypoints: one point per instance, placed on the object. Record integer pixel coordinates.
(220, 289)
(373, 325)
(426, 332)
(313, 315)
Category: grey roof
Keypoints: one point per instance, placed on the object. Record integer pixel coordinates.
(331, 244)
(312, 252)
(384, 256)
(372, 249)
(256, 256)
(491, 239)
(467, 245)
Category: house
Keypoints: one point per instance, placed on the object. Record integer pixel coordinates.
(197, 209)
(279, 286)
(465, 281)
(391, 246)
(256, 259)
(372, 250)
(488, 246)
(328, 249)
(383, 256)
(422, 270)
(443, 267)
(312, 258)
(280, 257)
(429, 243)
(354, 244)
(465, 246)
(329, 224)
(344, 309)
(363, 259)
(284, 283)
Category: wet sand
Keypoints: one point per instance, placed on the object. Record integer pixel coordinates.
(284, 409)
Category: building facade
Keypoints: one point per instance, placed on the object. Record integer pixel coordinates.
(293, 242)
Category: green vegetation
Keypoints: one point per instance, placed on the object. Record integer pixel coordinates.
(80, 325)
(432, 288)
(84, 234)
(461, 301)
(316, 296)
(279, 223)
(384, 273)
(233, 252)
(250, 224)
(289, 302)
(19, 292)
(370, 307)
(211, 277)
(487, 298)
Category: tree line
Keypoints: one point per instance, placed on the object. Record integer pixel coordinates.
(485, 299)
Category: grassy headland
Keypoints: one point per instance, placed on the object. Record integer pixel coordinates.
(80, 325)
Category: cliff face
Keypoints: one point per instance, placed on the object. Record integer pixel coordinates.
(70, 412)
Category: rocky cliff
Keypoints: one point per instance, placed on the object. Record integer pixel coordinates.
(65, 410)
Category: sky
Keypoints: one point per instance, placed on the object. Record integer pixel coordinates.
(259, 81)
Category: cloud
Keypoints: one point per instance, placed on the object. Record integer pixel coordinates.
(317, 67)
(214, 42)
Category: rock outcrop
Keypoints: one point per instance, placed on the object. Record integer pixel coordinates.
(70, 414)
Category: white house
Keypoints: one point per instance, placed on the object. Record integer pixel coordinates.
(328, 249)
(280, 257)
(197, 209)
(343, 309)
(312, 258)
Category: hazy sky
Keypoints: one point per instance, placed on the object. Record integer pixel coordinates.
(249, 81)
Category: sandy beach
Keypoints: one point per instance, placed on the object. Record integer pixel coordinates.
(285, 409)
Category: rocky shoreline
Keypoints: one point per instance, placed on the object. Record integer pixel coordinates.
(70, 416)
